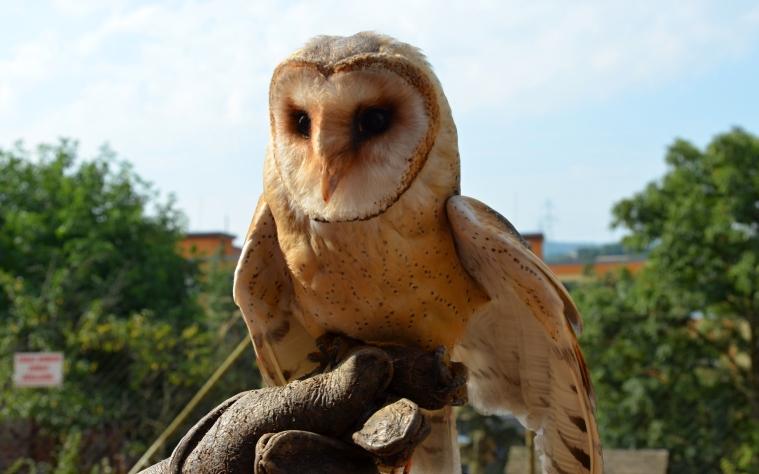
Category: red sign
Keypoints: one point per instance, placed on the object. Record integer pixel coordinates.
(38, 369)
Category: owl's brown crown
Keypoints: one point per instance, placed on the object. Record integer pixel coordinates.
(330, 50)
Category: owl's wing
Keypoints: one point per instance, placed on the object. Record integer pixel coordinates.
(521, 351)
(263, 291)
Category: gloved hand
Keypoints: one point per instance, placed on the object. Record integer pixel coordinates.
(333, 422)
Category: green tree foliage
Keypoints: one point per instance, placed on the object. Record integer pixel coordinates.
(674, 352)
(95, 230)
(226, 329)
(89, 266)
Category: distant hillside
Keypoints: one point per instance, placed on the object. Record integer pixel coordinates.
(585, 252)
(553, 249)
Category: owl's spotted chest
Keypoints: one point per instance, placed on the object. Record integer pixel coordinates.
(378, 285)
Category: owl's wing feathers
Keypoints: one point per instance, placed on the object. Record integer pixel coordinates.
(263, 291)
(522, 351)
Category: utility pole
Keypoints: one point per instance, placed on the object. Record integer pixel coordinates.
(476, 468)
(529, 441)
(548, 219)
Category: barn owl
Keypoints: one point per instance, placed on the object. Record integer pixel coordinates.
(361, 230)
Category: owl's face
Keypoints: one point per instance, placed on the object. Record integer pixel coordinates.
(349, 136)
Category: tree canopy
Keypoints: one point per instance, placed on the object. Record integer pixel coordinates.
(674, 352)
(89, 266)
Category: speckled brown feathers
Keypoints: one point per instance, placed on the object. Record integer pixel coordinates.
(263, 291)
(522, 348)
(391, 253)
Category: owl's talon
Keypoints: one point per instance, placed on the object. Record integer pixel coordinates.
(441, 353)
(333, 348)
(428, 378)
(452, 378)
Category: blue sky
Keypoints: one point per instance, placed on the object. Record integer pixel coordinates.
(563, 105)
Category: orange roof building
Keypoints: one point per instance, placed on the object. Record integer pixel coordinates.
(573, 271)
(535, 240)
(204, 245)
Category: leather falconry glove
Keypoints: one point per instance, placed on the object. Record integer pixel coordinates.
(348, 420)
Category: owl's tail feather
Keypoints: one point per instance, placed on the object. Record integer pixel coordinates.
(396, 470)
(439, 453)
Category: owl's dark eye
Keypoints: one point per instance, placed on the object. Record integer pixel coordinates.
(302, 123)
(372, 121)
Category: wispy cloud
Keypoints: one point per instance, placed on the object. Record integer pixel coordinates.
(169, 83)
(195, 59)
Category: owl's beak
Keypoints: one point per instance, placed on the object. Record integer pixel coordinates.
(329, 148)
(329, 183)
(332, 173)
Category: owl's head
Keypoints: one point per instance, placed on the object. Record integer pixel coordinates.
(353, 120)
